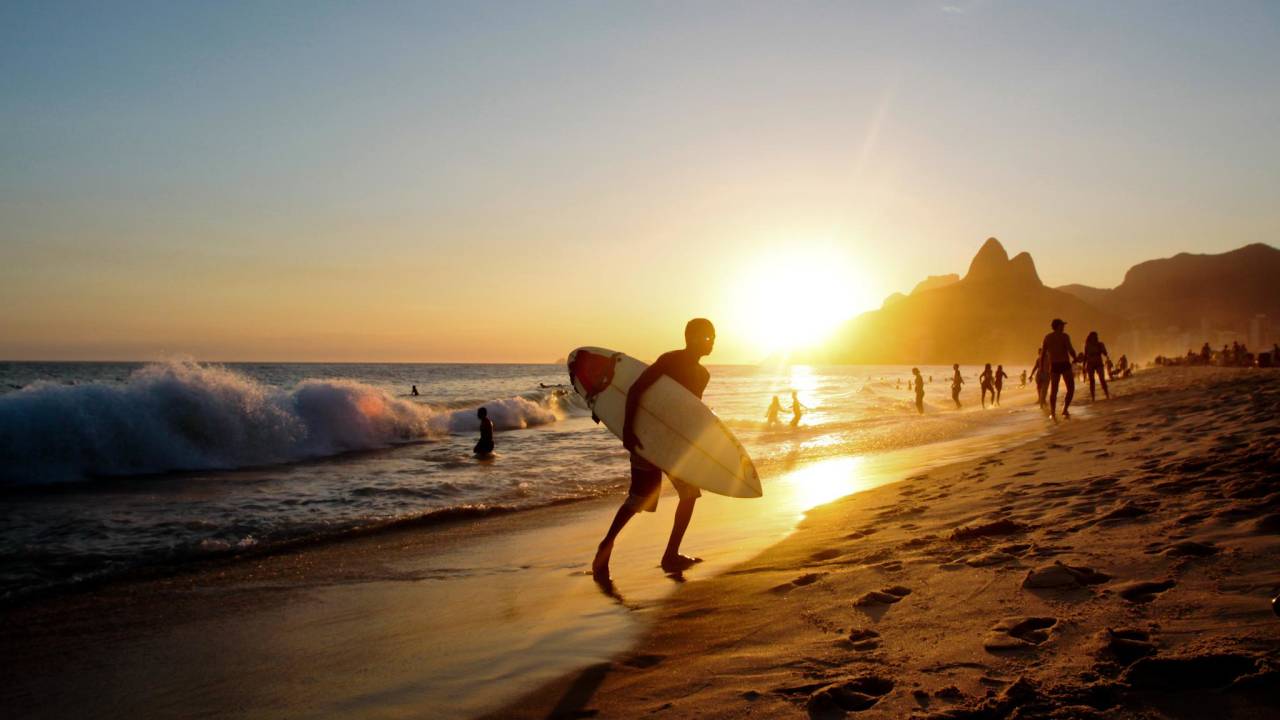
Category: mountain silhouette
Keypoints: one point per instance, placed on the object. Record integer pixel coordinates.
(998, 312)
(1195, 293)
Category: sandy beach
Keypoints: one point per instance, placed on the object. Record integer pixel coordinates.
(1121, 566)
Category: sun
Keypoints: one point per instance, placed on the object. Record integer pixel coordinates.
(794, 299)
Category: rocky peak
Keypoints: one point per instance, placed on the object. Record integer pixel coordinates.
(992, 263)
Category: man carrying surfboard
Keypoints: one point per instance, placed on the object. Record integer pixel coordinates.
(646, 479)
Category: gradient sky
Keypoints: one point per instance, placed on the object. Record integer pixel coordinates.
(504, 182)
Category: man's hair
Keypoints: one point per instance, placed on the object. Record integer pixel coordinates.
(698, 328)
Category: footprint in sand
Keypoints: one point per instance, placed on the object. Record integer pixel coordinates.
(1124, 646)
(1208, 671)
(1143, 591)
(887, 596)
(1191, 548)
(1019, 633)
(864, 640)
(856, 695)
(825, 555)
(806, 579)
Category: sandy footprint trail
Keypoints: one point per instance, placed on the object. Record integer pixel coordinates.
(1121, 567)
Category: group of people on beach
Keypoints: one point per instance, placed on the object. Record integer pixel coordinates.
(1234, 355)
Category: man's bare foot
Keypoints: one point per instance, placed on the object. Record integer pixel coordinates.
(676, 563)
(1066, 415)
(600, 566)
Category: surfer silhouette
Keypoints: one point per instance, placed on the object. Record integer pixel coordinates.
(775, 408)
(646, 479)
(484, 447)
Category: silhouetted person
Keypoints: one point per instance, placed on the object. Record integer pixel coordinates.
(484, 448)
(1060, 354)
(999, 378)
(796, 409)
(1094, 351)
(1040, 372)
(1024, 379)
(956, 382)
(987, 386)
(775, 407)
(919, 383)
(1205, 354)
(646, 479)
(414, 391)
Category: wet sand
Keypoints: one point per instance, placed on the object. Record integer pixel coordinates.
(1121, 566)
(445, 621)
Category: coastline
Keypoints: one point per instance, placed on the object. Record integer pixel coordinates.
(411, 618)
(1121, 567)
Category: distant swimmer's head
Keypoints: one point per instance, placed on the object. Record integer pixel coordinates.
(700, 336)
(1058, 323)
(482, 413)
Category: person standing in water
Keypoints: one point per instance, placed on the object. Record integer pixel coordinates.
(775, 407)
(987, 385)
(919, 383)
(1094, 351)
(1024, 379)
(999, 380)
(1059, 353)
(646, 479)
(1040, 373)
(484, 448)
(414, 391)
(796, 409)
(956, 382)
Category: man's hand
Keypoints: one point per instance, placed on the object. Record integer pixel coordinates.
(630, 441)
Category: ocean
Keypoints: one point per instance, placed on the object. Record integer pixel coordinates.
(112, 468)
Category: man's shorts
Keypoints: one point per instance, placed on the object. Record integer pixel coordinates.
(1062, 368)
(646, 485)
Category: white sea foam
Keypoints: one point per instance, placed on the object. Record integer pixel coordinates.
(183, 415)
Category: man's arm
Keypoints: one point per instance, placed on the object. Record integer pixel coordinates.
(642, 383)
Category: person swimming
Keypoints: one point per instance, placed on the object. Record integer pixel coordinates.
(771, 417)
(956, 382)
(484, 448)
(414, 391)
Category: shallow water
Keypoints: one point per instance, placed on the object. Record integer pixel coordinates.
(106, 467)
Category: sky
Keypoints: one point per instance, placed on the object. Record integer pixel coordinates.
(503, 182)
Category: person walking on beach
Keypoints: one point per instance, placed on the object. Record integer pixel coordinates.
(796, 409)
(1024, 379)
(1094, 351)
(484, 448)
(1060, 354)
(919, 383)
(999, 378)
(684, 367)
(1040, 372)
(956, 382)
(775, 407)
(987, 386)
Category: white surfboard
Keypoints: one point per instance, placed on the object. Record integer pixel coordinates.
(677, 432)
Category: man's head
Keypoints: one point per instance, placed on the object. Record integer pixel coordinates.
(482, 413)
(956, 366)
(915, 371)
(1058, 324)
(700, 336)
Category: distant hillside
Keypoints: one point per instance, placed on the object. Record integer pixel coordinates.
(998, 312)
(1190, 292)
